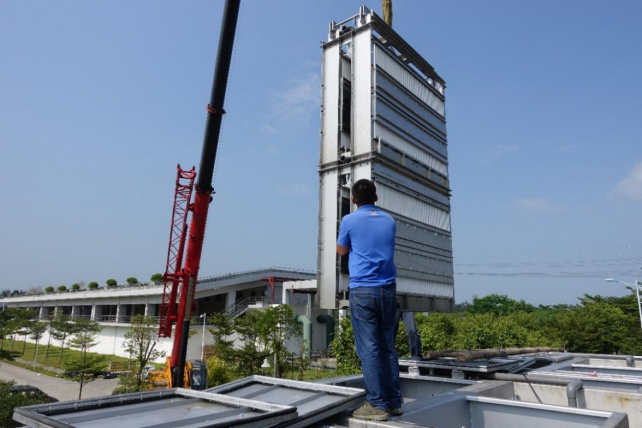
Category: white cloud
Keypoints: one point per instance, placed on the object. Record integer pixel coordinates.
(299, 100)
(501, 150)
(298, 189)
(566, 147)
(538, 205)
(269, 129)
(631, 186)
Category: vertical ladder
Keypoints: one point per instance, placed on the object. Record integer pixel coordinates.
(177, 236)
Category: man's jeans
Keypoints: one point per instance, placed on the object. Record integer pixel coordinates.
(374, 321)
(411, 330)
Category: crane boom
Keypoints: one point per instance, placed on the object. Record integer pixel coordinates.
(189, 274)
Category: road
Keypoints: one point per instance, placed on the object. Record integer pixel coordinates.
(61, 389)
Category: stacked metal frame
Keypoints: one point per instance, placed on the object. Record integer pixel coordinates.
(383, 118)
(157, 409)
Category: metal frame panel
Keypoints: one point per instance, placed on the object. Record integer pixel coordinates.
(311, 409)
(327, 256)
(110, 411)
(362, 89)
(330, 104)
(409, 80)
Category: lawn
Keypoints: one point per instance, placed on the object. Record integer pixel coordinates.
(46, 360)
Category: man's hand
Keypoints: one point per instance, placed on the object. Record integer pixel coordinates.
(342, 251)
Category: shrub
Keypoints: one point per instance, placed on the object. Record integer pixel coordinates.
(62, 288)
(92, 285)
(75, 287)
(157, 277)
(111, 283)
(132, 280)
(49, 289)
(216, 373)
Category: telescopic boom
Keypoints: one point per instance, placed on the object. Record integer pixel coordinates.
(204, 188)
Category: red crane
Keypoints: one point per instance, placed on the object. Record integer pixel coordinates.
(178, 278)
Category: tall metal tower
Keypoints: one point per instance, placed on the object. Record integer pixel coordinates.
(383, 118)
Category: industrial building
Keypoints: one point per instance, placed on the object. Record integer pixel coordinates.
(232, 294)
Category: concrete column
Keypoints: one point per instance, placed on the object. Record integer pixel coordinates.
(147, 309)
(41, 313)
(93, 312)
(231, 298)
(56, 311)
(73, 310)
(118, 312)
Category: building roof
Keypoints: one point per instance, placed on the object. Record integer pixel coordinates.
(205, 286)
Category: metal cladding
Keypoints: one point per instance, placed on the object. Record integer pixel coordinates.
(383, 118)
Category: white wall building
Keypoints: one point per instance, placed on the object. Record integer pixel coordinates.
(233, 294)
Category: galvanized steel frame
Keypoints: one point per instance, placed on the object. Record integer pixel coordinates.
(38, 416)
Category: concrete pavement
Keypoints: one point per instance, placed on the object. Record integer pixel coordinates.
(59, 388)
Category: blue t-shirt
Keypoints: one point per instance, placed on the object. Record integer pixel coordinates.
(370, 234)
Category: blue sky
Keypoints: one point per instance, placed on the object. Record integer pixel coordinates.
(100, 100)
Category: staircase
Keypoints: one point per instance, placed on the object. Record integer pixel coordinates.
(241, 306)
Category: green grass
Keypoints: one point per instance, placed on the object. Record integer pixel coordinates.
(53, 357)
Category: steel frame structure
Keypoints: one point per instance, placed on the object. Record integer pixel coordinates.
(173, 276)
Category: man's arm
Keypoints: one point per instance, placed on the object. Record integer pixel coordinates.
(342, 251)
(343, 240)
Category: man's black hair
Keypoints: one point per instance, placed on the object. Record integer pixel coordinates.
(364, 192)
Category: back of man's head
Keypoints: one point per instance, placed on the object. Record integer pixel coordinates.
(364, 192)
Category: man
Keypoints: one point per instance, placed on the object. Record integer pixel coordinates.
(411, 330)
(368, 235)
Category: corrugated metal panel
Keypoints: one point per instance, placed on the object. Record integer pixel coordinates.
(400, 203)
(395, 94)
(407, 147)
(421, 134)
(424, 288)
(420, 89)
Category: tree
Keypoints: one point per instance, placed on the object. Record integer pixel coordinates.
(10, 400)
(62, 288)
(344, 350)
(111, 282)
(61, 328)
(36, 331)
(223, 328)
(83, 368)
(250, 356)
(49, 289)
(75, 287)
(34, 291)
(5, 293)
(157, 277)
(498, 304)
(276, 325)
(92, 285)
(132, 280)
(141, 342)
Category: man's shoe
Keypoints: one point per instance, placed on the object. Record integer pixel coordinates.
(396, 412)
(370, 413)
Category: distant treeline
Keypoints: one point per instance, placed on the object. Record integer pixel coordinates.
(596, 324)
